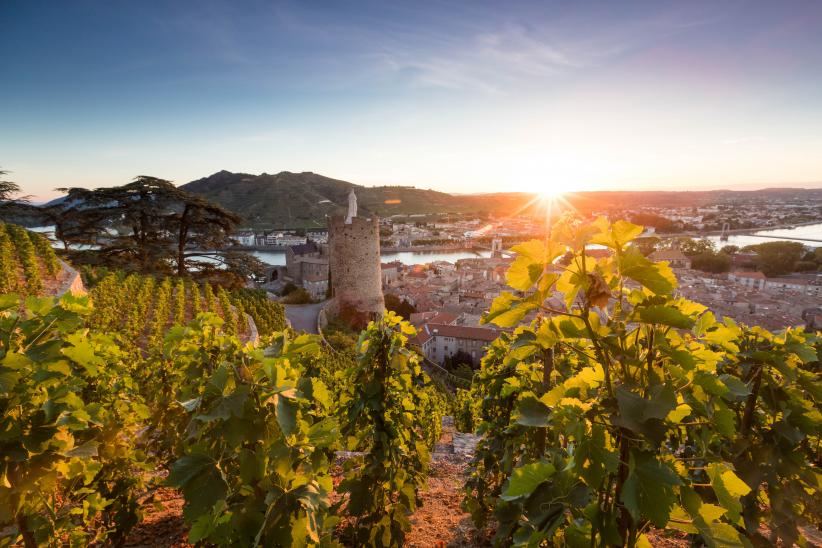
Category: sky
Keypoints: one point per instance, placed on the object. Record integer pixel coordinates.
(463, 97)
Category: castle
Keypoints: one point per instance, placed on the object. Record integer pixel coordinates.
(354, 261)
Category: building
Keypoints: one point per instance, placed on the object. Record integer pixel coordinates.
(354, 259)
(317, 236)
(283, 239)
(439, 341)
(675, 258)
(793, 286)
(248, 239)
(749, 280)
(306, 265)
(390, 273)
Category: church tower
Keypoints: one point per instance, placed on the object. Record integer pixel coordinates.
(354, 262)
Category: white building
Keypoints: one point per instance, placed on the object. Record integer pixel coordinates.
(749, 280)
(245, 238)
(439, 341)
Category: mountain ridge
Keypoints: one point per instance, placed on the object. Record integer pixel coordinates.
(304, 199)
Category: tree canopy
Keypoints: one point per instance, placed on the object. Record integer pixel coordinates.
(149, 225)
(777, 258)
(7, 188)
(400, 306)
(691, 247)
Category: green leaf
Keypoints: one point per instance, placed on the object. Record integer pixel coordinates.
(85, 451)
(664, 315)
(286, 415)
(82, 352)
(533, 250)
(648, 492)
(524, 273)
(659, 278)
(525, 479)
(8, 379)
(729, 489)
(324, 433)
(532, 412)
(9, 300)
(724, 420)
(200, 480)
(681, 411)
(508, 310)
(645, 415)
(615, 235)
(736, 387)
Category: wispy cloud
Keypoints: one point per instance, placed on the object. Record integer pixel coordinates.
(491, 55)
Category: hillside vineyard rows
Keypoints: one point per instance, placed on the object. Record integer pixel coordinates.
(144, 309)
(26, 258)
(622, 411)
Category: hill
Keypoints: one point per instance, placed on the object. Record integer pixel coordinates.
(305, 199)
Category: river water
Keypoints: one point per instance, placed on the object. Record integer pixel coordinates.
(277, 258)
(813, 232)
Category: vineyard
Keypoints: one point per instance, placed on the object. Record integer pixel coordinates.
(143, 309)
(28, 263)
(624, 414)
(149, 384)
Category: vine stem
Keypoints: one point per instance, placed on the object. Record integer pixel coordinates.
(547, 369)
(624, 524)
(750, 404)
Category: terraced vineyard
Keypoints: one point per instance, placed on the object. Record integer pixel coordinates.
(267, 315)
(28, 264)
(143, 308)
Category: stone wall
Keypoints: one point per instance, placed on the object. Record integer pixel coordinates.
(73, 282)
(356, 277)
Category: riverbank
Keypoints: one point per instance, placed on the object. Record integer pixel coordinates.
(431, 249)
(383, 250)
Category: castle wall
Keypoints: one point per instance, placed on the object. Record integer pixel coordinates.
(356, 277)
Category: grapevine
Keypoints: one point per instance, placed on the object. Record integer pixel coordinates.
(382, 414)
(45, 252)
(69, 415)
(243, 409)
(629, 408)
(27, 257)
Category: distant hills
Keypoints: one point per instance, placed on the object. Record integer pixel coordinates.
(303, 200)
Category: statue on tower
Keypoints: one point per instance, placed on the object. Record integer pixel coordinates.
(352, 206)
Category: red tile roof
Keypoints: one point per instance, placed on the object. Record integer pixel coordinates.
(668, 255)
(463, 332)
(754, 275)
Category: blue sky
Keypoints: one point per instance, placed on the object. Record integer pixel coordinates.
(457, 96)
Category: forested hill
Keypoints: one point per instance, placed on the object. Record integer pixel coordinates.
(296, 200)
(304, 199)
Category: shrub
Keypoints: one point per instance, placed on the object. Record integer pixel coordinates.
(298, 296)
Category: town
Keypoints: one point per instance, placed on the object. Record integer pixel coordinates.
(446, 299)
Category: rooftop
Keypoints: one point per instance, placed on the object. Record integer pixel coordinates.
(462, 331)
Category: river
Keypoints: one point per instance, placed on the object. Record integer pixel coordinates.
(277, 258)
(813, 232)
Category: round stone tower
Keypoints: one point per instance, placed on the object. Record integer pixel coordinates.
(355, 272)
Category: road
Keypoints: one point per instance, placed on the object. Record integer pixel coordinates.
(303, 317)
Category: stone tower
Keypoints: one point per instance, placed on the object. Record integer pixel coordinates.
(354, 262)
(496, 247)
